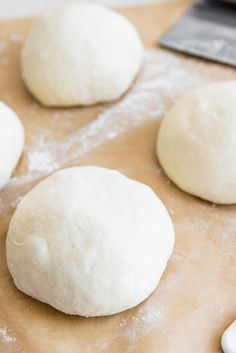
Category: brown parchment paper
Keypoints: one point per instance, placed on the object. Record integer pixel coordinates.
(196, 298)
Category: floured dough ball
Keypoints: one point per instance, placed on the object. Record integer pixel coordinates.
(196, 144)
(11, 142)
(89, 241)
(81, 54)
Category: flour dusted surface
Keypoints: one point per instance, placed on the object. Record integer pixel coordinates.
(205, 234)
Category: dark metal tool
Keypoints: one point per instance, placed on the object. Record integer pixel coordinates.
(207, 30)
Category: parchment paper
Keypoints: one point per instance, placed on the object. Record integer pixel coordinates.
(196, 298)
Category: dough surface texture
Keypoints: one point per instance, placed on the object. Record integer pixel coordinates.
(196, 143)
(11, 142)
(89, 241)
(80, 54)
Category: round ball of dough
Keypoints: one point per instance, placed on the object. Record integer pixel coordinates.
(11, 142)
(196, 144)
(81, 54)
(89, 241)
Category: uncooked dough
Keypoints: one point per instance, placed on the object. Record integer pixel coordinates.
(228, 341)
(89, 241)
(11, 142)
(196, 144)
(81, 54)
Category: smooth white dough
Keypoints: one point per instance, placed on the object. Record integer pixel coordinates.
(196, 143)
(89, 241)
(228, 341)
(81, 54)
(11, 142)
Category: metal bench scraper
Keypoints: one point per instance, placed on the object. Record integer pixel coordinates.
(207, 30)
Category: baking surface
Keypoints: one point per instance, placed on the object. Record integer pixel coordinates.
(196, 298)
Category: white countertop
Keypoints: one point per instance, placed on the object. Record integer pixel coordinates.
(24, 8)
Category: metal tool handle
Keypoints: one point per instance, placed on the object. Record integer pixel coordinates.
(230, 2)
(224, 1)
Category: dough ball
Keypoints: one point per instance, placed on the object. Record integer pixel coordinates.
(196, 143)
(81, 54)
(11, 142)
(89, 241)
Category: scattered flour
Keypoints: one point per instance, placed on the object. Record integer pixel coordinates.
(144, 102)
(162, 80)
(150, 317)
(41, 159)
(5, 337)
